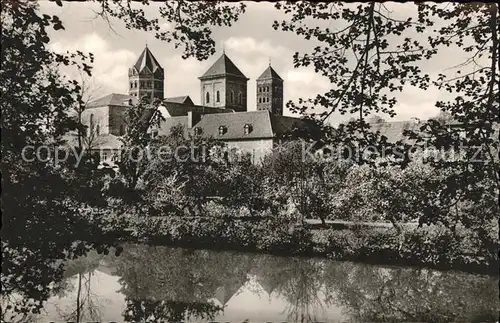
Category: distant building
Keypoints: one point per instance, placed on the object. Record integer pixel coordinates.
(270, 92)
(146, 77)
(222, 115)
(223, 85)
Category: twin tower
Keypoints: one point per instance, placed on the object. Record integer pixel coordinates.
(223, 85)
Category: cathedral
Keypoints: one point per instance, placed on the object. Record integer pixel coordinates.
(223, 113)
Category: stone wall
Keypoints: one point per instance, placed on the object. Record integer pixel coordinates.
(100, 118)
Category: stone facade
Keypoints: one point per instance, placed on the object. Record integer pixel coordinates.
(224, 93)
(213, 93)
(145, 85)
(96, 120)
(224, 86)
(270, 92)
(117, 120)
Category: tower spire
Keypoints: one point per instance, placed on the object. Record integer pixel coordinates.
(269, 61)
(223, 48)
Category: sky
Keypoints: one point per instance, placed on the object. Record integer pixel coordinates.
(250, 43)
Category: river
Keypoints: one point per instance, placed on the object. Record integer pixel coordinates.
(155, 283)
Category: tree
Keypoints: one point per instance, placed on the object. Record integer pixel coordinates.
(383, 59)
(471, 28)
(376, 119)
(303, 180)
(182, 178)
(41, 199)
(192, 22)
(88, 90)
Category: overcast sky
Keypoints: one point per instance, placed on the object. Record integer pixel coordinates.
(249, 43)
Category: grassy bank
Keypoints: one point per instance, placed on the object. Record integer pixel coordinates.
(432, 247)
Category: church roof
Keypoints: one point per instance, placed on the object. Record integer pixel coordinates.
(111, 99)
(222, 67)
(180, 99)
(174, 109)
(147, 62)
(269, 73)
(264, 125)
(225, 292)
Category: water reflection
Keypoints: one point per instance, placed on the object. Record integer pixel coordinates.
(147, 283)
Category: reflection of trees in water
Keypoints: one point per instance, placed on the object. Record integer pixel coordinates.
(87, 305)
(23, 294)
(179, 283)
(298, 280)
(371, 293)
(174, 284)
(166, 283)
(169, 311)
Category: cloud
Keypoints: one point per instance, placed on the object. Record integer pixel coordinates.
(110, 67)
(248, 46)
(249, 43)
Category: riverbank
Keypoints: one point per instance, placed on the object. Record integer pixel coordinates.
(431, 247)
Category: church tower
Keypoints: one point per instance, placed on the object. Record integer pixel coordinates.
(270, 92)
(146, 77)
(224, 86)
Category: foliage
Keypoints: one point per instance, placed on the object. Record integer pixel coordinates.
(182, 177)
(291, 176)
(191, 22)
(161, 282)
(42, 200)
(167, 311)
(369, 194)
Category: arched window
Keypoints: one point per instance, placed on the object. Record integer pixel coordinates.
(260, 100)
(260, 89)
(240, 98)
(207, 98)
(267, 88)
(218, 97)
(231, 97)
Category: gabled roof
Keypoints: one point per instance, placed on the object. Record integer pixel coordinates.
(268, 283)
(173, 109)
(180, 99)
(112, 99)
(169, 123)
(269, 73)
(222, 67)
(225, 292)
(263, 125)
(147, 63)
(234, 124)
